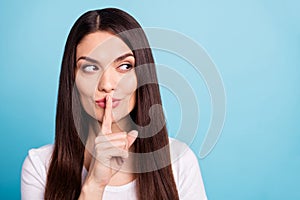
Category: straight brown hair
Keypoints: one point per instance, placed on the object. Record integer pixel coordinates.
(65, 170)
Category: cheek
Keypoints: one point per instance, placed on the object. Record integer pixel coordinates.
(132, 102)
(128, 84)
(86, 88)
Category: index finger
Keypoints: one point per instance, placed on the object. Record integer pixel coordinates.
(107, 118)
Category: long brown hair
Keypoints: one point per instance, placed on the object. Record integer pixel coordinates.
(65, 170)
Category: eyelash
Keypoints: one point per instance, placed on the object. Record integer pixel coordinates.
(86, 69)
(126, 64)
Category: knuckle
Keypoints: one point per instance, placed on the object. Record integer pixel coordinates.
(99, 139)
(122, 142)
(125, 154)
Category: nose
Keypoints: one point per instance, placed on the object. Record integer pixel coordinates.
(106, 81)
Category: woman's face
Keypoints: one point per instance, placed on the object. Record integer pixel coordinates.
(105, 66)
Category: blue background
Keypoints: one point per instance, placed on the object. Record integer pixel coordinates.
(255, 45)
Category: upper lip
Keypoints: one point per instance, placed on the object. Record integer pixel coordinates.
(104, 100)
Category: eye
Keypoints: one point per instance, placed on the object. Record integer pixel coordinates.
(125, 67)
(89, 68)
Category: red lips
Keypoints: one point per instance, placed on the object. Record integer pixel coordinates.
(102, 102)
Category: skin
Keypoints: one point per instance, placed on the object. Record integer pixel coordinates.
(104, 72)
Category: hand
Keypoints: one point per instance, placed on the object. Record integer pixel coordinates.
(111, 149)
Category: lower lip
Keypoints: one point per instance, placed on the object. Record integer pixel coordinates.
(103, 104)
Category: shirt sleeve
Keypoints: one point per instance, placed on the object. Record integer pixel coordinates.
(191, 185)
(33, 177)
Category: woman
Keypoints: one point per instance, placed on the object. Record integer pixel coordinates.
(106, 144)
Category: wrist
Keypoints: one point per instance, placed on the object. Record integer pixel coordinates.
(91, 190)
(93, 185)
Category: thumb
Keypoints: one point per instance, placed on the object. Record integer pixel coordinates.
(131, 137)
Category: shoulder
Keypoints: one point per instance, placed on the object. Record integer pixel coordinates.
(35, 165)
(45, 150)
(181, 153)
(41, 155)
(186, 171)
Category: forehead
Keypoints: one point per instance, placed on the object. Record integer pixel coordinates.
(102, 46)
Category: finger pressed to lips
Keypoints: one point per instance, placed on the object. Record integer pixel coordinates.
(107, 118)
(107, 138)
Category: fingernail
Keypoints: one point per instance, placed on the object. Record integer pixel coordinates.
(134, 133)
(107, 97)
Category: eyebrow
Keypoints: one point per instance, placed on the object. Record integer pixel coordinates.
(118, 59)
